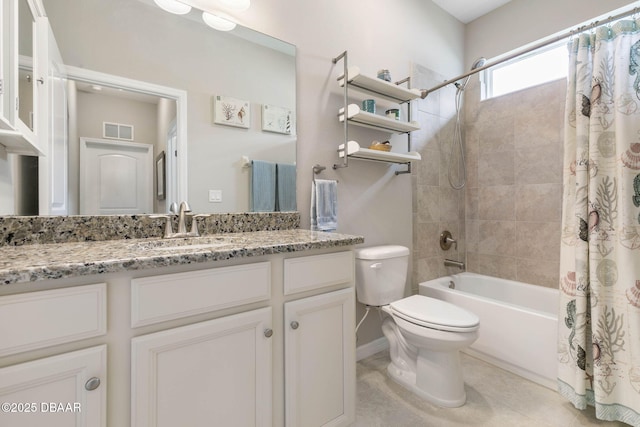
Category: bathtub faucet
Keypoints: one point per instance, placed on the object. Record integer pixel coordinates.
(454, 263)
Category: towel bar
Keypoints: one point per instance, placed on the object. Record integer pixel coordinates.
(316, 170)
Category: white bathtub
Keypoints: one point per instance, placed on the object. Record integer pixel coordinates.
(518, 322)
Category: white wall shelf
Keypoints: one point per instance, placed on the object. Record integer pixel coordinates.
(351, 114)
(378, 86)
(358, 117)
(356, 151)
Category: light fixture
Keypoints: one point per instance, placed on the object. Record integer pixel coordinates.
(218, 21)
(173, 6)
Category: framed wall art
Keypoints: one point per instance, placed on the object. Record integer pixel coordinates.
(277, 119)
(161, 176)
(231, 111)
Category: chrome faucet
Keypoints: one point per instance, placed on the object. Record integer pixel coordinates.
(182, 211)
(454, 263)
(446, 240)
(184, 208)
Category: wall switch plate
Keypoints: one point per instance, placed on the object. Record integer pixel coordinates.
(215, 196)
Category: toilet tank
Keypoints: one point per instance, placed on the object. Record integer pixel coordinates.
(381, 274)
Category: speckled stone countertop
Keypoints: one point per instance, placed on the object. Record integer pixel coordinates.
(30, 263)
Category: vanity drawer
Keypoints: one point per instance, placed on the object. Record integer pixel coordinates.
(317, 271)
(45, 318)
(173, 296)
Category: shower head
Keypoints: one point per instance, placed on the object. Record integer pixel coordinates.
(480, 62)
(476, 64)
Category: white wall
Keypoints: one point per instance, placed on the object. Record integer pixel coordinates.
(372, 201)
(377, 34)
(96, 108)
(521, 22)
(7, 202)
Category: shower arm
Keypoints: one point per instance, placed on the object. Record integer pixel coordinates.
(636, 10)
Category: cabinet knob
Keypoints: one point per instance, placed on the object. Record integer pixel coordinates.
(268, 332)
(40, 80)
(294, 325)
(92, 384)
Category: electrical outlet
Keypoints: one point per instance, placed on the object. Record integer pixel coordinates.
(215, 196)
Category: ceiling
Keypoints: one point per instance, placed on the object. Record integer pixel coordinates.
(468, 10)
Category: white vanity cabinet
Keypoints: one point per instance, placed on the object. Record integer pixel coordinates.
(218, 369)
(215, 370)
(320, 360)
(57, 391)
(260, 341)
(62, 389)
(319, 340)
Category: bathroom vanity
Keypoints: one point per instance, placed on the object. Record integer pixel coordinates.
(247, 329)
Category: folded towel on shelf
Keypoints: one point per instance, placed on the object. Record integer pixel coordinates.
(263, 186)
(286, 179)
(324, 205)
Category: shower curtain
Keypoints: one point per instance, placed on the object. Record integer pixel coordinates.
(599, 319)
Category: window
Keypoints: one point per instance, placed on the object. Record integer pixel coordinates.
(537, 67)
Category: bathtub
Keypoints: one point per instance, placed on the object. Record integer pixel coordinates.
(518, 322)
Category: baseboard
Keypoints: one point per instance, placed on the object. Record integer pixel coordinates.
(371, 348)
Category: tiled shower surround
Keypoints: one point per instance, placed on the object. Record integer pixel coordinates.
(507, 218)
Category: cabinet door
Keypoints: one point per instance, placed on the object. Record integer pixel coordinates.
(58, 391)
(216, 372)
(7, 48)
(320, 360)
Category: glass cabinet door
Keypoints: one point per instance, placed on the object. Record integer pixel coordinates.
(26, 78)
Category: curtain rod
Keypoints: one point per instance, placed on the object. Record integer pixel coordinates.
(635, 10)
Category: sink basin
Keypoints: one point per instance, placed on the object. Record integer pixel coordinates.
(189, 243)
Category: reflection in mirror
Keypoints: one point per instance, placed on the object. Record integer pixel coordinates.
(26, 80)
(135, 41)
(26, 167)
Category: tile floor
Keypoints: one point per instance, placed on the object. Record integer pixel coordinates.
(495, 398)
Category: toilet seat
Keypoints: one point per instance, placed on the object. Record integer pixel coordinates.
(435, 314)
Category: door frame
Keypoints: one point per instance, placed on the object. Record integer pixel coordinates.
(176, 179)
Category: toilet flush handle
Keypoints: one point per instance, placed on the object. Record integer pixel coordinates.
(376, 265)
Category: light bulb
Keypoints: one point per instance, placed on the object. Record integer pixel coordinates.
(173, 6)
(218, 22)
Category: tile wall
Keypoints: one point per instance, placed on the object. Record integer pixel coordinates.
(507, 218)
(436, 206)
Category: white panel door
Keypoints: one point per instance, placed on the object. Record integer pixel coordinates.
(320, 360)
(115, 177)
(216, 372)
(52, 126)
(58, 391)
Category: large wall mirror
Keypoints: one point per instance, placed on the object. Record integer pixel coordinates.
(146, 84)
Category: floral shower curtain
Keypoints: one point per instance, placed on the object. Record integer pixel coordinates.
(599, 321)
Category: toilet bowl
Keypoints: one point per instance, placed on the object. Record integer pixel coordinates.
(425, 334)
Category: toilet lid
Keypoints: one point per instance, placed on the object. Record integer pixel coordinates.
(434, 313)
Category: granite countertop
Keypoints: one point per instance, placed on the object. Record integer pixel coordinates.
(30, 263)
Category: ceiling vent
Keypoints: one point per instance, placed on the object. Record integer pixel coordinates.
(117, 131)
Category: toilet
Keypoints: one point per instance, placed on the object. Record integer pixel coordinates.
(425, 334)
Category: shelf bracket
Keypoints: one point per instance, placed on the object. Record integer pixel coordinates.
(345, 158)
(405, 171)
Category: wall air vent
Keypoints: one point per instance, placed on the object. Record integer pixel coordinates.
(117, 131)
